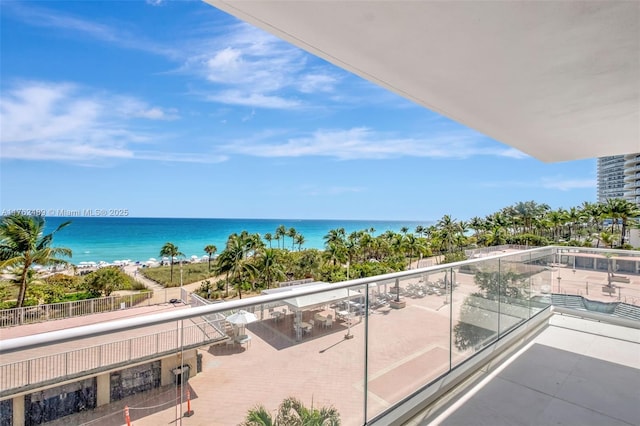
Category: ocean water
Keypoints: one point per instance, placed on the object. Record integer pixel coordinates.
(95, 239)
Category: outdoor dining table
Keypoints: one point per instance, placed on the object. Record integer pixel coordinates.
(277, 315)
(306, 326)
(320, 318)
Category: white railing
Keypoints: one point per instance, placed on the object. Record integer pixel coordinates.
(80, 362)
(34, 314)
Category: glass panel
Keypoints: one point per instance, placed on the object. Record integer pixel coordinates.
(515, 289)
(475, 308)
(296, 349)
(221, 366)
(408, 337)
(541, 278)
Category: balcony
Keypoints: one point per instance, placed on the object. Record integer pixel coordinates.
(381, 350)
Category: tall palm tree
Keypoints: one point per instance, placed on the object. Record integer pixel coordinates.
(335, 236)
(236, 260)
(268, 237)
(22, 244)
(269, 266)
(281, 232)
(335, 252)
(477, 224)
(621, 210)
(171, 251)
(291, 233)
(300, 240)
(448, 228)
(210, 250)
(414, 246)
(224, 265)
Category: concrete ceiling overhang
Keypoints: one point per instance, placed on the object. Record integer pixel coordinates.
(558, 80)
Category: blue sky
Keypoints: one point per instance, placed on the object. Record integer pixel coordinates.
(175, 109)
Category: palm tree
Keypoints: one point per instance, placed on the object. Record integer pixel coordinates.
(292, 412)
(335, 252)
(291, 233)
(624, 210)
(270, 267)
(448, 228)
(335, 236)
(414, 246)
(300, 241)
(236, 261)
(223, 266)
(171, 251)
(210, 250)
(281, 231)
(23, 244)
(268, 237)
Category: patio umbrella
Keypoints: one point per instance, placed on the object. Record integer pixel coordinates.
(241, 318)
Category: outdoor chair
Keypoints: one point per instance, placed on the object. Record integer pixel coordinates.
(309, 329)
(329, 322)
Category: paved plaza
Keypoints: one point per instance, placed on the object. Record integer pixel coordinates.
(407, 348)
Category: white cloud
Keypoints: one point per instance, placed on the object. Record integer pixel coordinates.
(155, 2)
(252, 68)
(66, 122)
(48, 17)
(364, 143)
(255, 100)
(312, 83)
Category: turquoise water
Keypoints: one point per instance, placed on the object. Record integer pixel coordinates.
(95, 239)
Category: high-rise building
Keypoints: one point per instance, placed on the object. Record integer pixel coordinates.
(619, 177)
(610, 177)
(632, 177)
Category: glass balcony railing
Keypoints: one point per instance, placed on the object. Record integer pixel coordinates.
(361, 347)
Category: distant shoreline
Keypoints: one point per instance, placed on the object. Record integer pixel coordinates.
(139, 239)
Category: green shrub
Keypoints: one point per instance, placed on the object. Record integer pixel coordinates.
(105, 281)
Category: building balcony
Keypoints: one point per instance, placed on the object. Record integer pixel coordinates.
(380, 350)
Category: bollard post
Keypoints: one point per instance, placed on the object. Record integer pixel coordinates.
(126, 415)
(189, 412)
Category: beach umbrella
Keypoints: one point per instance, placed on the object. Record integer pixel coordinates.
(241, 318)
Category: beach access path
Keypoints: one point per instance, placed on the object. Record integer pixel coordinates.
(132, 270)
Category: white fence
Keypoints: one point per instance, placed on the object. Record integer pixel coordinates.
(80, 362)
(34, 314)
